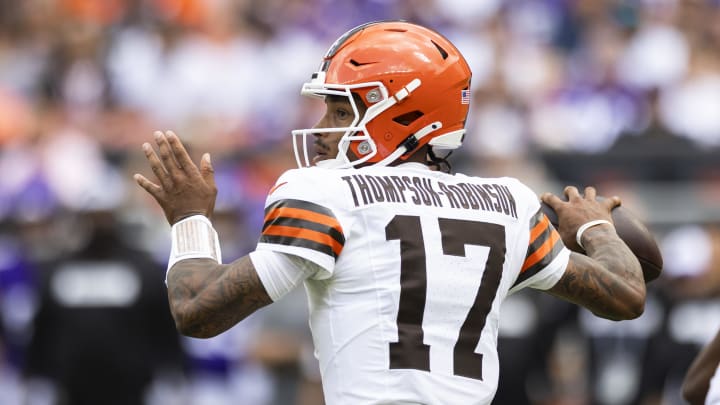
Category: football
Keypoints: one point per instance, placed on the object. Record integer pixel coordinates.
(635, 234)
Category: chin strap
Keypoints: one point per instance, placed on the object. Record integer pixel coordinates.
(440, 163)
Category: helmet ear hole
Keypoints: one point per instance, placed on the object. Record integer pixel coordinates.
(408, 118)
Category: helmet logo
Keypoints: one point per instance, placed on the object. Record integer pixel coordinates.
(364, 147)
(373, 96)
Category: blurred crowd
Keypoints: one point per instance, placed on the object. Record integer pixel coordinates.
(621, 94)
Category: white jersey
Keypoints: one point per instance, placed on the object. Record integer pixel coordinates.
(713, 394)
(414, 265)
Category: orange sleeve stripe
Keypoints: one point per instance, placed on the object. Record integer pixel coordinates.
(300, 233)
(277, 186)
(539, 228)
(307, 215)
(540, 253)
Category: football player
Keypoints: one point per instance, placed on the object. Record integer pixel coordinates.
(406, 266)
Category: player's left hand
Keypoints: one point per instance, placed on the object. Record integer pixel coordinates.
(182, 189)
(577, 209)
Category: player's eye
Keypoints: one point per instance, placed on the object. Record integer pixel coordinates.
(343, 114)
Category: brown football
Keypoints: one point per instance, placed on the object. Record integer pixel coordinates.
(635, 234)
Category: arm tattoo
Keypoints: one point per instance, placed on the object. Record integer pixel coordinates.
(207, 298)
(608, 281)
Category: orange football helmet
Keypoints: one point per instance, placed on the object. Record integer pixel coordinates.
(413, 81)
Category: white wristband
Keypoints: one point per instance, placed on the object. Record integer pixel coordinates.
(584, 227)
(193, 238)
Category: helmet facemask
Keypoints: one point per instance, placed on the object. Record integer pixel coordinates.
(377, 95)
(355, 132)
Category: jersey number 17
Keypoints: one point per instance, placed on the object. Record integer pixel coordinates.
(410, 352)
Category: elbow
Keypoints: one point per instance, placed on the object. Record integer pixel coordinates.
(625, 311)
(195, 333)
(194, 329)
(636, 304)
(636, 310)
(633, 306)
(629, 311)
(189, 323)
(202, 324)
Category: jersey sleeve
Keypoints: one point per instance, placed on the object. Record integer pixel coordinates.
(298, 221)
(546, 257)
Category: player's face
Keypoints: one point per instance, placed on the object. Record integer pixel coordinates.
(338, 113)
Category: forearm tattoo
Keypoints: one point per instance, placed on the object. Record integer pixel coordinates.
(207, 299)
(608, 281)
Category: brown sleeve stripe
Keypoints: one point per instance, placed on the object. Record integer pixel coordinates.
(301, 223)
(282, 213)
(540, 224)
(290, 222)
(303, 237)
(549, 240)
(543, 247)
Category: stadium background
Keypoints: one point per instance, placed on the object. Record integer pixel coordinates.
(624, 95)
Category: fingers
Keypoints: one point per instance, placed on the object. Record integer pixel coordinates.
(578, 209)
(172, 165)
(551, 199)
(571, 192)
(152, 188)
(590, 193)
(612, 202)
(166, 155)
(157, 166)
(206, 170)
(180, 154)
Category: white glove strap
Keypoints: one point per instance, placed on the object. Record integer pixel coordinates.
(584, 227)
(193, 238)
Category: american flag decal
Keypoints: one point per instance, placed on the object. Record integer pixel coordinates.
(464, 96)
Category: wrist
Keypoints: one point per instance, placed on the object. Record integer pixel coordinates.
(193, 237)
(582, 230)
(181, 217)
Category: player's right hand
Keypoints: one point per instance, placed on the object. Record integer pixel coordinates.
(182, 189)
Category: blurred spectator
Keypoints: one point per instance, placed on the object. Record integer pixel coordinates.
(18, 303)
(103, 332)
(689, 300)
(692, 266)
(689, 108)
